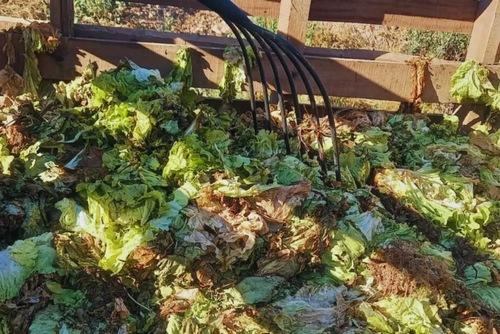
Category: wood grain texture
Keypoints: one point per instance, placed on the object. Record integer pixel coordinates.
(62, 16)
(439, 15)
(293, 20)
(56, 18)
(7, 22)
(348, 73)
(484, 45)
(139, 35)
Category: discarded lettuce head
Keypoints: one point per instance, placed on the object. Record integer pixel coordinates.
(313, 310)
(444, 199)
(120, 229)
(22, 260)
(165, 215)
(254, 290)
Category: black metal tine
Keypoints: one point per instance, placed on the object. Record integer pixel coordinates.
(233, 13)
(326, 99)
(248, 68)
(279, 89)
(310, 94)
(262, 75)
(293, 90)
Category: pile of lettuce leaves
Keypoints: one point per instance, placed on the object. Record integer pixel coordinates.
(129, 204)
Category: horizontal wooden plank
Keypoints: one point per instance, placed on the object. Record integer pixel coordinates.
(142, 35)
(151, 36)
(377, 76)
(439, 15)
(7, 22)
(348, 73)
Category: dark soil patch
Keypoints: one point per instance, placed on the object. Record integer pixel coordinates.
(401, 269)
(465, 254)
(21, 310)
(108, 297)
(11, 220)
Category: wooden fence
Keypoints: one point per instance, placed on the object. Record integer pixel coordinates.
(346, 73)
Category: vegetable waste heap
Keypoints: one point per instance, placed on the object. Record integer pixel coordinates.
(127, 205)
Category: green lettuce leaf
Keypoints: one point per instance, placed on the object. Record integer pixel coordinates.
(182, 74)
(51, 321)
(118, 242)
(445, 199)
(66, 297)
(375, 319)
(254, 290)
(479, 278)
(187, 159)
(470, 82)
(312, 310)
(408, 313)
(22, 260)
(234, 73)
(5, 158)
(343, 257)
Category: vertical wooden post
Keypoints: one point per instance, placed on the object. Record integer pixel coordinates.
(56, 13)
(62, 16)
(292, 24)
(293, 19)
(484, 45)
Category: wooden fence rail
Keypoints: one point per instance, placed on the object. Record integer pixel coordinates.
(348, 73)
(443, 15)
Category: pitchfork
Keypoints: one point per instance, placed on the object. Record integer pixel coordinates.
(244, 29)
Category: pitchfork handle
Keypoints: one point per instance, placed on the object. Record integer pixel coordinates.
(227, 9)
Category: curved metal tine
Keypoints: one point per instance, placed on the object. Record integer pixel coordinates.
(293, 89)
(248, 69)
(309, 91)
(261, 73)
(279, 89)
(328, 106)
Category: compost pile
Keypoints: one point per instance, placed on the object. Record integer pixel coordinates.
(128, 205)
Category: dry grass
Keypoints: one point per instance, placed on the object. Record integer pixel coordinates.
(160, 18)
(356, 36)
(320, 34)
(32, 9)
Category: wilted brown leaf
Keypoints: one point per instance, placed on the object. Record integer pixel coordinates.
(278, 204)
(173, 306)
(484, 142)
(142, 262)
(32, 298)
(77, 251)
(11, 85)
(230, 236)
(18, 138)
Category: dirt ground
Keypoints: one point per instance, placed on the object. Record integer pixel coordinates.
(320, 34)
(168, 18)
(31, 9)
